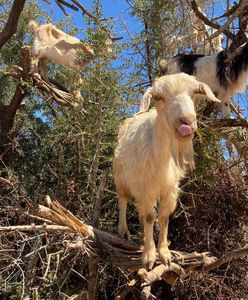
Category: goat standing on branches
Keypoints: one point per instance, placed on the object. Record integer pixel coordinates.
(52, 44)
(153, 150)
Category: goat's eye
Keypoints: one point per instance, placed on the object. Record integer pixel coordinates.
(157, 98)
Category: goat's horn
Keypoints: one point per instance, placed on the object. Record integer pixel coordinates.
(204, 89)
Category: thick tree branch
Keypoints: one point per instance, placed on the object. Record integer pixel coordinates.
(11, 26)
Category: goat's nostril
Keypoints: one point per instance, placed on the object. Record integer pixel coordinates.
(184, 122)
(187, 120)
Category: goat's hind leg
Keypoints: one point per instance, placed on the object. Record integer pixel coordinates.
(43, 70)
(123, 228)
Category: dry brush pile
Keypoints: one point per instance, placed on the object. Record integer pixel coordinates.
(52, 254)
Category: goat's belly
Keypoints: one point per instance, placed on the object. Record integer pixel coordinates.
(59, 57)
(206, 72)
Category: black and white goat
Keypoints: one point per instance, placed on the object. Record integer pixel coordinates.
(224, 77)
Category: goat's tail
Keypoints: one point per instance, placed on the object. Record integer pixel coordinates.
(32, 25)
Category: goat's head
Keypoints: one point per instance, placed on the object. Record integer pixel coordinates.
(173, 97)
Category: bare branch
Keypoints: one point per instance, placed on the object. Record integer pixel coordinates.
(33, 228)
(231, 11)
(230, 20)
(83, 9)
(73, 7)
(202, 17)
(61, 7)
(226, 258)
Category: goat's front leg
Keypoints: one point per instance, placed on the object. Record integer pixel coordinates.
(146, 212)
(168, 202)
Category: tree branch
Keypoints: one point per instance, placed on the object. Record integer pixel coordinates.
(202, 17)
(84, 10)
(33, 228)
(231, 11)
(11, 26)
(226, 258)
(230, 20)
(228, 123)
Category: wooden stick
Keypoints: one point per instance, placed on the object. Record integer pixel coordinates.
(226, 258)
(33, 227)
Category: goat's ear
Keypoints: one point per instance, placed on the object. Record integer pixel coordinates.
(204, 90)
(145, 101)
(152, 95)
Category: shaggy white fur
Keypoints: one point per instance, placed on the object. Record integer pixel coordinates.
(153, 151)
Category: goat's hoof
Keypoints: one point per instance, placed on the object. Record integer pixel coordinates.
(125, 234)
(164, 256)
(149, 258)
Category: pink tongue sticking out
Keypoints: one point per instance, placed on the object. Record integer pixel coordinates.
(184, 130)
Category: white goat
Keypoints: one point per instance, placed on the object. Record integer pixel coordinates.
(151, 156)
(52, 44)
(225, 78)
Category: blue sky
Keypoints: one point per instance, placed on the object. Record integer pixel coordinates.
(117, 9)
